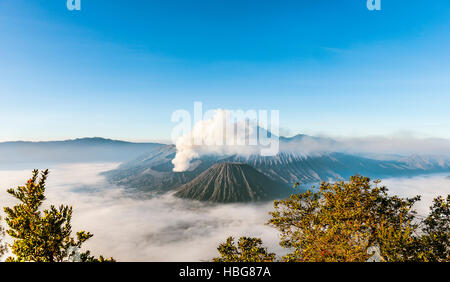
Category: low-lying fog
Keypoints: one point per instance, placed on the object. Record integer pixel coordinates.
(136, 228)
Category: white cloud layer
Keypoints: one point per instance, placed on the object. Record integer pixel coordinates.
(428, 187)
(136, 228)
(375, 145)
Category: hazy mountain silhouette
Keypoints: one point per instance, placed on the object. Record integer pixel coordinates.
(76, 150)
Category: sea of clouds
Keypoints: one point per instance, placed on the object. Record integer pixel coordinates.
(133, 227)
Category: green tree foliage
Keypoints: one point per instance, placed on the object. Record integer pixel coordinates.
(343, 220)
(347, 221)
(42, 235)
(3, 246)
(434, 244)
(247, 250)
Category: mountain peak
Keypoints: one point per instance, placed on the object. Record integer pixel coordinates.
(231, 182)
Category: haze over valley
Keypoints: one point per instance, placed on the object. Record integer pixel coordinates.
(139, 209)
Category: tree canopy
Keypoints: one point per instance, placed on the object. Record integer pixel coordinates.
(347, 221)
(43, 235)
(3, 246)
(247, 250)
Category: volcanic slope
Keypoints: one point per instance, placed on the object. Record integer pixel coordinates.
(231, 183)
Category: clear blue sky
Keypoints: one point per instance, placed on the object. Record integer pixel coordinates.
(118, 69)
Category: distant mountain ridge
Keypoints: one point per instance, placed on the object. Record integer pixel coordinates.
(85, 140)
(75, 150)
(153, 172)
(151, 168)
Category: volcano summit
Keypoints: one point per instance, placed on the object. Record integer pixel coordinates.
(232, 182)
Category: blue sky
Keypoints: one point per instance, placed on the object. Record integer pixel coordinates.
(118, 69)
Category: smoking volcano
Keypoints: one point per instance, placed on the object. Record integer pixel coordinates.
(232, 182)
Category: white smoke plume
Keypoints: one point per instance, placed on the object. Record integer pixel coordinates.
(220, 135)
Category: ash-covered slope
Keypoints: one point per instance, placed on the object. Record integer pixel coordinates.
(230, 183)
(153, 172)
